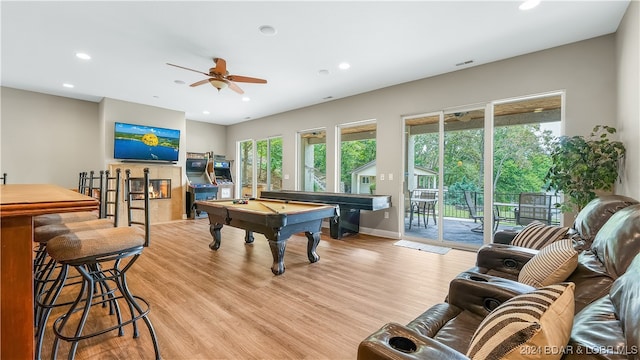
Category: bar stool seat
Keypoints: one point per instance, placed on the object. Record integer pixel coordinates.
(76, 246)
(43, 234)
(60, 218)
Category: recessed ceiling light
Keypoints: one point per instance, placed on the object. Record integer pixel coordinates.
(268, 30)
(83, 56)
(179, 82)
(323, 72)
(156, 96)
(529, 4)
(344, 66)
(206, 112)
(327, 97)
(246, 98)
(248, 118)
(67, 85)
(538, 110)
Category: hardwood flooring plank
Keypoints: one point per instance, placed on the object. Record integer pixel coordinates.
(227, 304)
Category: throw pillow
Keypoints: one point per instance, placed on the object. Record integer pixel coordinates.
(536, 325)
(551, 265)
(537, 235)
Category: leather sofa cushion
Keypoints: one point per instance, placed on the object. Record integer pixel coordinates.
(618, 241)
(448, 324)
(596, 330)
(625, 296)
(597, 212)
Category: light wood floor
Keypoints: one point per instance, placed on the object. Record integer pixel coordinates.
(227, 304)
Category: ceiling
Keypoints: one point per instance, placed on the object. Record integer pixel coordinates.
(385, 42)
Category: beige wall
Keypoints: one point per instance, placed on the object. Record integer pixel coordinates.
(48, 139)
(585, 70)
(204, 137)
(628, 91)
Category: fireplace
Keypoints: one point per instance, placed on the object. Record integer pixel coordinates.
(158, 188)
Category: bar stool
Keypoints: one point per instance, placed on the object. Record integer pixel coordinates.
(102, 257)
(4, 178)
(86, 185)
(109, 194)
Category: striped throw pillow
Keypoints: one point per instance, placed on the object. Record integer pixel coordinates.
(537, 235)
(536, 325)
(551, 265)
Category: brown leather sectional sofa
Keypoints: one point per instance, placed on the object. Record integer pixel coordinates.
(606, 324)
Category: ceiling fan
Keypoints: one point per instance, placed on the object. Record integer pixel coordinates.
(219, 77)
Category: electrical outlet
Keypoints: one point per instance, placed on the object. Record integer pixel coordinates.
(381, 177)
(386, 214)
(390, 176)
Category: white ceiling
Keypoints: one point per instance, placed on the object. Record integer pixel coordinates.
(386, 43)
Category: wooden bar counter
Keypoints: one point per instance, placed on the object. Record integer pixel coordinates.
(19, 203)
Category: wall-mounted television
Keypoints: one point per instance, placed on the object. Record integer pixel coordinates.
(145, 143)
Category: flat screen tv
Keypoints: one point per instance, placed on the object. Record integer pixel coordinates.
(145, 143)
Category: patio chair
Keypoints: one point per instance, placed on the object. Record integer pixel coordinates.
(533, 207)
(423, 202)
(476, 214)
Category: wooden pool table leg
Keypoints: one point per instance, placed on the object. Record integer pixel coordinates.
(312, 244)
(214, 229)
(277, 251)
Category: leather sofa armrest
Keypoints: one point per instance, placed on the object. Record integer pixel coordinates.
(503, 258)
(394, 341)
(504, 236)
(482, 293)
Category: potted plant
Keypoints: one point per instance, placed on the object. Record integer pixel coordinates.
(581, 166)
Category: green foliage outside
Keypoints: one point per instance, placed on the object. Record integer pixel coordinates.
(269, 159)
(354, 154)
(521, 159)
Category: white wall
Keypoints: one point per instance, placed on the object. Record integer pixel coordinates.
(47, 139)
(585, 70)
(628, 91)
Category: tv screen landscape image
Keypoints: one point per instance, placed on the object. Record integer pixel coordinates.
(145, 143)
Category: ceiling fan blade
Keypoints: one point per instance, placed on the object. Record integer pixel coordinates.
(235, 87)
(221, 66)
(198, 83)
(246, 79)
(185, 68)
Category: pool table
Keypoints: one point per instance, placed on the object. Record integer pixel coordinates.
(277, 220)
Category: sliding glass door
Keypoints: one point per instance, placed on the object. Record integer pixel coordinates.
(266, 169)
(484, 168)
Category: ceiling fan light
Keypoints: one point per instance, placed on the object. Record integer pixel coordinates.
(218, 84)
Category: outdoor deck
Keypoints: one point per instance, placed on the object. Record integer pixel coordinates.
(455, 230)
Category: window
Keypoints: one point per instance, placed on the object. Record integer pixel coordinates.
(357, 157)
(269, 164)
(313, 160)
(246, 168)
